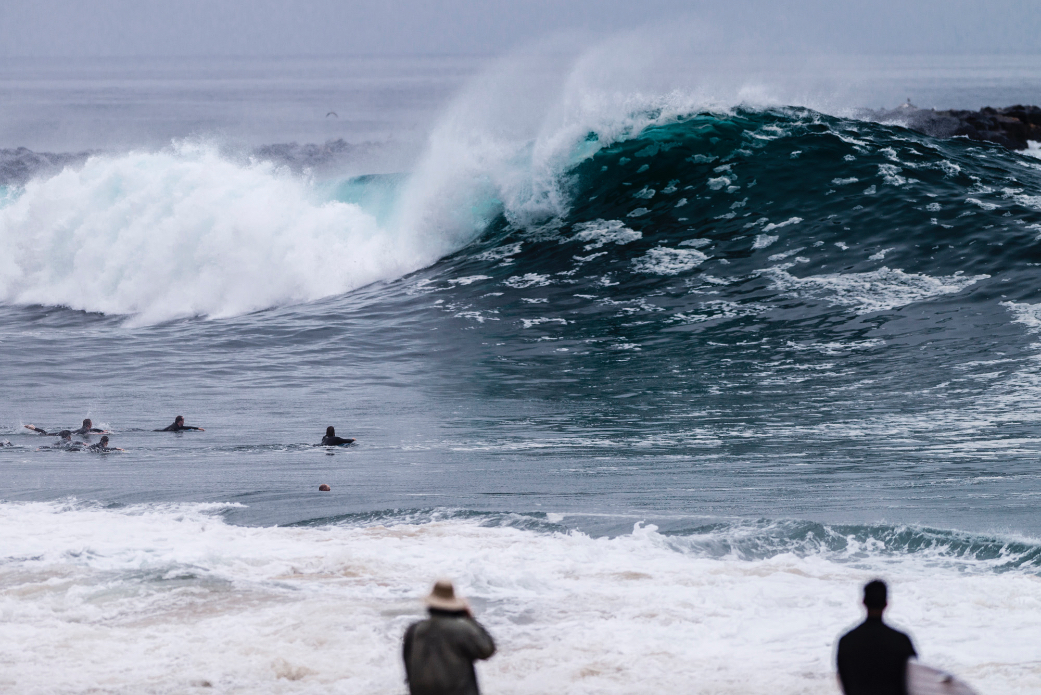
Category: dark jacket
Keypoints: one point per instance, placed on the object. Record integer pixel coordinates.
(439, 654)
(873, 658)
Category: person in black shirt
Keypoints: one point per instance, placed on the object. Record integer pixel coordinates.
(872, 657)
(330, 438)
(179, 426)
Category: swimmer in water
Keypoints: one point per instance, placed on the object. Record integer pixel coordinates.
(103, 447)
(88, 428)
(179, 426)
(41, 431)
(330, 438)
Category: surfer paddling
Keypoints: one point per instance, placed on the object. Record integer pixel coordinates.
(86, 428)
(873, 657)
(102, 447)
(330, 438)
(65, 442)
(179, 426)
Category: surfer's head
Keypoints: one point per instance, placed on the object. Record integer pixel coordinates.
(875, 594)
(330, 431)
(88, 423)
(179, 420)
(104, 442)
(65, 434)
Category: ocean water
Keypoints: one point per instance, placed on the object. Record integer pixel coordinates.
(660, 379)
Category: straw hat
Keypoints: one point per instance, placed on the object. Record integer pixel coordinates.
(442, 597)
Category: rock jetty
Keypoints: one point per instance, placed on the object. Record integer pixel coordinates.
(1012, 126)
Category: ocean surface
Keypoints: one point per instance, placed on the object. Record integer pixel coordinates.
(659, 378)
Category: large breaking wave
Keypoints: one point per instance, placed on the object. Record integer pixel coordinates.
(723, 214)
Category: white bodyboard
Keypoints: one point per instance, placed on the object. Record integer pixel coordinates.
(925, 680)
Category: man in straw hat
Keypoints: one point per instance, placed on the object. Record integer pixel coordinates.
(440, 651)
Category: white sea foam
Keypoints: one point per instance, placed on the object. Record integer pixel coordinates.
(186, 232)
(468, 280)
(717, 309)
(530, 323)
(879, 290)
(501, 253)
(601, 232)
(170, 599)
(791, 220)
(764, 240)
(527, 280)
(662, 260)
(1026, 314)
(785, 254)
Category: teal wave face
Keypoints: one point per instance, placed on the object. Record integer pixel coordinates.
(765, 214)
(730, 180)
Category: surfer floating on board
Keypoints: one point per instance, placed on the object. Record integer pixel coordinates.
(872, 657)
(179, 426)
(330, 438)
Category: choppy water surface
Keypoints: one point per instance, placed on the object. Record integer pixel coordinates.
(670, 371)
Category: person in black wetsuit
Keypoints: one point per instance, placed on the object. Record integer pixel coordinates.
(102, 447)
(330, 438)
(87, 428)
(179, 426)
(41, 431)
(66, 442)
(872, 657)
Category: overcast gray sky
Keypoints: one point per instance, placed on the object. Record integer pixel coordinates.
(343, 27)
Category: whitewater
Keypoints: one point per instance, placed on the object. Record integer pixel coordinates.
(659, 372)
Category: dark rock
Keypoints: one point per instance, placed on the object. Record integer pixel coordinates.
(20, 165)
(1012, 126)
(310, 156)
(324, 488)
